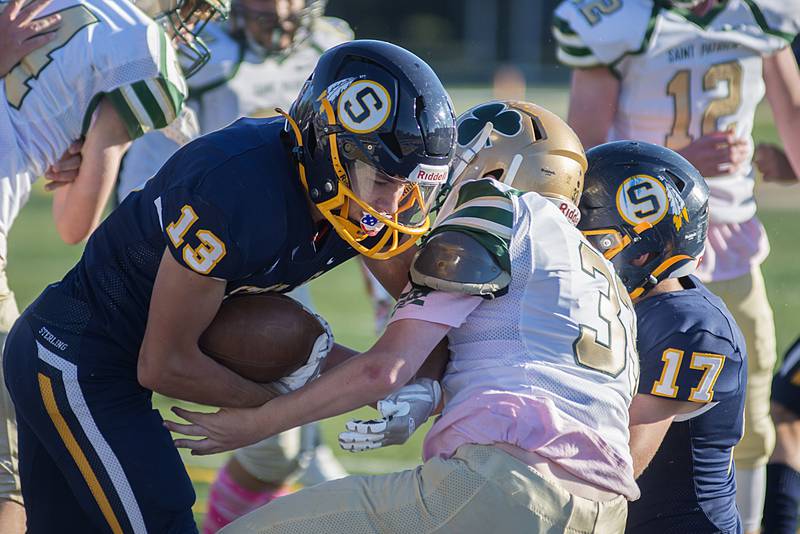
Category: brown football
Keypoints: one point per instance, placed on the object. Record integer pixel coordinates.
(261, 337)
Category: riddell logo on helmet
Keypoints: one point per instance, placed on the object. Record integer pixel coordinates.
(435, 174)
(570, 212)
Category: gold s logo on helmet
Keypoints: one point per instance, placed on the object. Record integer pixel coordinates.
(642, 198)
(364, 106)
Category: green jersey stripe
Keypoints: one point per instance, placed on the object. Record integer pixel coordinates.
(132, 123)
(157, 119)
(489, 214)
(568, 40)
(502, 203)
(762, 21)
(576, 51)
(132, 99)
(481, 188)
(481, 225)
(164, 100)
(563, 26)
(577, 62)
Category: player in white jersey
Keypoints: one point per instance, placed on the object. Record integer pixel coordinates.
(689, 75)
(533, 436)
(105, 75)
(242, 77)
(259, 62)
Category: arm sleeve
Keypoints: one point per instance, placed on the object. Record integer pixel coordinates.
(695, 366)
(777, 17)
(152, 103)
(590, 33)
(424, 304)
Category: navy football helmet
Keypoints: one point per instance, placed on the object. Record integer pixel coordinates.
(375, 132)
(638, 199)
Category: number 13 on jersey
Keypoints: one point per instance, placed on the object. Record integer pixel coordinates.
(205, 256)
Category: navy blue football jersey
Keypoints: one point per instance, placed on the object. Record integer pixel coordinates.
(786, 382)
(228, 205)
(690, 349)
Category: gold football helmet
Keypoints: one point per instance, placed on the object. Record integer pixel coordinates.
(528, 148)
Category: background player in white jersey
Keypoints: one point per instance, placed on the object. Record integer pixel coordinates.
(48, 101)
(259, 62)
(690, 79)
(21, 33)
(533, 436)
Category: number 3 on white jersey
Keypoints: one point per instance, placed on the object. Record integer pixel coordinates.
(211, 249)
(603, 344)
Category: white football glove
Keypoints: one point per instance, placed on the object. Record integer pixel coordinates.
(402, 413)
(312, 368)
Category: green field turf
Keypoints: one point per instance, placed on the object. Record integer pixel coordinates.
(37, 257)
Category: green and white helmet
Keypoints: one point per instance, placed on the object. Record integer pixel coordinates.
(186, 19)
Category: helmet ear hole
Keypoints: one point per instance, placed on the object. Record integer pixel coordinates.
(538, 131)
(311, 140)
(679, 183)
(497, 174)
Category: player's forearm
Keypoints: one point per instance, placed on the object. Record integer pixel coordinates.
(78, 206)
(357, 382)
(783, 93)
(592, 104)
(197, 378)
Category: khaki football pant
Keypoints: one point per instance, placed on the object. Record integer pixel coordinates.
(746, 298)
(9, 474)
(481, 489)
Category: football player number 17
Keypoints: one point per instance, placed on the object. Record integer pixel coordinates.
(207, 254)
(602, 346)
(710, 364)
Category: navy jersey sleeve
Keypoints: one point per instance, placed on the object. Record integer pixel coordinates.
(695, 366)
(223, 225)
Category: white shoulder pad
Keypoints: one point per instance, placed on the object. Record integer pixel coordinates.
(591, 33)
(778, 17)
(222, 64)
(330, 31)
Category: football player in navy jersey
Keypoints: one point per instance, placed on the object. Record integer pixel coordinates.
(783, 470)
(262, 205)
(646, 209)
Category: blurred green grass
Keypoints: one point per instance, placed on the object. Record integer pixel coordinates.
(37, 257)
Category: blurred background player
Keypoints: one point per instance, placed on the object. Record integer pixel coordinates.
(259, 62)
(783, 469)
(20, 33)
(688, 412)
(100, 83)
(533, 436)
(688, 75)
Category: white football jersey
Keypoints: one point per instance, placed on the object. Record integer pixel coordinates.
(563, 334)
(682, 76)
(103, 47)
(235, 83)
